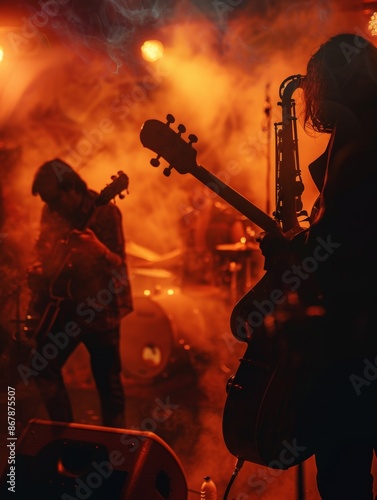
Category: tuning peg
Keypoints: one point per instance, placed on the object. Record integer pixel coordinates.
(170, 119)
(113, 177)
(121, 196)
(155, 161)
(181, 129)
(167, 171)
(120, 172)
(192, 139)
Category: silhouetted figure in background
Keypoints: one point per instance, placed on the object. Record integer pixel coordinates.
(98, 295)
(340, 96)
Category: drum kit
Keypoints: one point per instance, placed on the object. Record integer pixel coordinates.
(227, 265)
(237, 266)
(176, 308)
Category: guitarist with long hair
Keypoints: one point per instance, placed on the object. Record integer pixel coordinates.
(81, 275)
(340, 96)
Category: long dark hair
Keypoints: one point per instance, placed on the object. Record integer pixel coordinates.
(59, 173)
(343, 70)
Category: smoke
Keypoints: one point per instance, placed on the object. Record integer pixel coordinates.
(82, 97)
(73, 86)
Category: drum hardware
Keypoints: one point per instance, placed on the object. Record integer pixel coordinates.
(234, 269)
(238, 265)
(240, 246)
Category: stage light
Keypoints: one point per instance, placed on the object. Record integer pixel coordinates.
(372, 24)
(152, 50)
(1, 53)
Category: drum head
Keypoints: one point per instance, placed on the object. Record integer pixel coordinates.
(147, 342)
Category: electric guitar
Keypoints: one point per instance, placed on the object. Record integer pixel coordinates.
(260, 419)
(39, 320)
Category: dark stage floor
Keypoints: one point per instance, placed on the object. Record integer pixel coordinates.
(201, 355)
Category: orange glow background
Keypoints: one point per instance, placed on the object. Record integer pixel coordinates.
(77, 94)
(73, 85)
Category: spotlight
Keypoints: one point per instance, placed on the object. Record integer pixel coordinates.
(152, 50)
(372, 24)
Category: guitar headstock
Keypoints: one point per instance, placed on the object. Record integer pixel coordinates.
(119, 183)
(168, 144)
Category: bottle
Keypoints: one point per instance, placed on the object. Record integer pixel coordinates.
(208, 489)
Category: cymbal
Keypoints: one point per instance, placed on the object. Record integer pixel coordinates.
(238, 247)
(150, 257)
(135, 250)
(153, 272)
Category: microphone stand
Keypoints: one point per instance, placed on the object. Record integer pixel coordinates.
(267, 129)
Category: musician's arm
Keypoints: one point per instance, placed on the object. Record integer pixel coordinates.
(52, 229)
(107, 226)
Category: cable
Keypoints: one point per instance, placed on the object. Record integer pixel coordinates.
(237, 468)
(193, 491)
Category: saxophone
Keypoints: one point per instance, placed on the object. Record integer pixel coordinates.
(288, 182)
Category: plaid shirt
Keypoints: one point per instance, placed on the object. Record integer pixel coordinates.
(97, 290)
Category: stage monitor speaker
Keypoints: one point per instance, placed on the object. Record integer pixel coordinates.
(60, 461)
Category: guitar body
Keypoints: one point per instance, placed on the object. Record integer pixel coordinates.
(47, 297)
(39, 321)
(263, 419)
(259, 419)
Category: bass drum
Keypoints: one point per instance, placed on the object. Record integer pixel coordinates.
(161, 335)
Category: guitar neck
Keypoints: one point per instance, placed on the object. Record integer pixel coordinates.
(235, 199)
(87, 217)
(161, 139)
